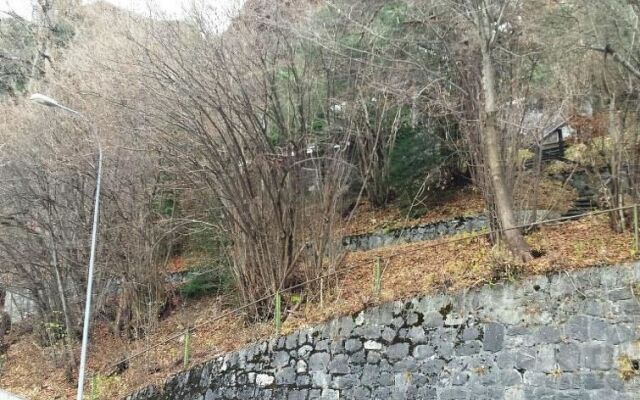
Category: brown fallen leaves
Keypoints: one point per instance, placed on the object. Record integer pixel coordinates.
(448, 264)
(551, 195)
(366, 218)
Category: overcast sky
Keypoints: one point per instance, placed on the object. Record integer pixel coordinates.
(172, 8)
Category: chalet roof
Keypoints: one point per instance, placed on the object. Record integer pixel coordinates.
(538, 126)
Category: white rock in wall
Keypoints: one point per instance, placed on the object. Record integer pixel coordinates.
(372, 345)
(263, 380)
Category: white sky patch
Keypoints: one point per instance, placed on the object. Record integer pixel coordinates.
(169, 9)
(21, 7)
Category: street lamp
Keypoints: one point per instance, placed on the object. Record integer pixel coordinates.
(49, 102)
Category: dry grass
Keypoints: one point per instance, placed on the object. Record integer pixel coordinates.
(30, 371)
(366, 218)
(627, 368)
(106, 350)
(447, 265)
(411, 269)
(552, 195)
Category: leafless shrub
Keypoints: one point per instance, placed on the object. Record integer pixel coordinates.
(246, 116)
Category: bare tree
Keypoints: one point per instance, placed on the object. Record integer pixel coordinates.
(607, 35)
(244, 114)
(47, 185)
(619, 84)
(487, 25)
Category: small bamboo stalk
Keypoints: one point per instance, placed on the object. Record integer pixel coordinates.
(277, 315)
(185, 357)
(94, 387)
(321, 293)
(377, 278)
(635, 229)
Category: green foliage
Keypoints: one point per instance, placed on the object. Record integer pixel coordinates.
(54, 330)
(207, 241)
(541, 73)
(103, 384)
(385, 25)
(391, 17)
(18, 45)
(63, 32)
(211, 273)
(296, 298)
(318, 124)
(416, 152)
(297, 110)
(285, 74)
(558, 20)
(205, 281)
(54, 327)
(350, 41)
(274, 135)
(165, 205)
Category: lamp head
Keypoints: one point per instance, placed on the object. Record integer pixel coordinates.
(44, 100)
(49, 102)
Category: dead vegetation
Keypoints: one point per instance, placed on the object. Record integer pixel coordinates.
(553, 195)
(257, 137)
(454, 263)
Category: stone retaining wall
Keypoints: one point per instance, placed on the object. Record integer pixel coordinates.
(417, 233)
(568, 336)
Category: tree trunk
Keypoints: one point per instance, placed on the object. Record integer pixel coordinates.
(5, 322)
(493, 161)
(63, 298)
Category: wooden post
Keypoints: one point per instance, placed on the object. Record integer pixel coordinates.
(635, 229)
(185, 356)
(277, 315)
(322, 293)
(377, 278)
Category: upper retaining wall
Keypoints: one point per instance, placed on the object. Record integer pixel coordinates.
(434, 230)
(568, 336)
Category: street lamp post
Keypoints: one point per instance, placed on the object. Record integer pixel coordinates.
(49, 102)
